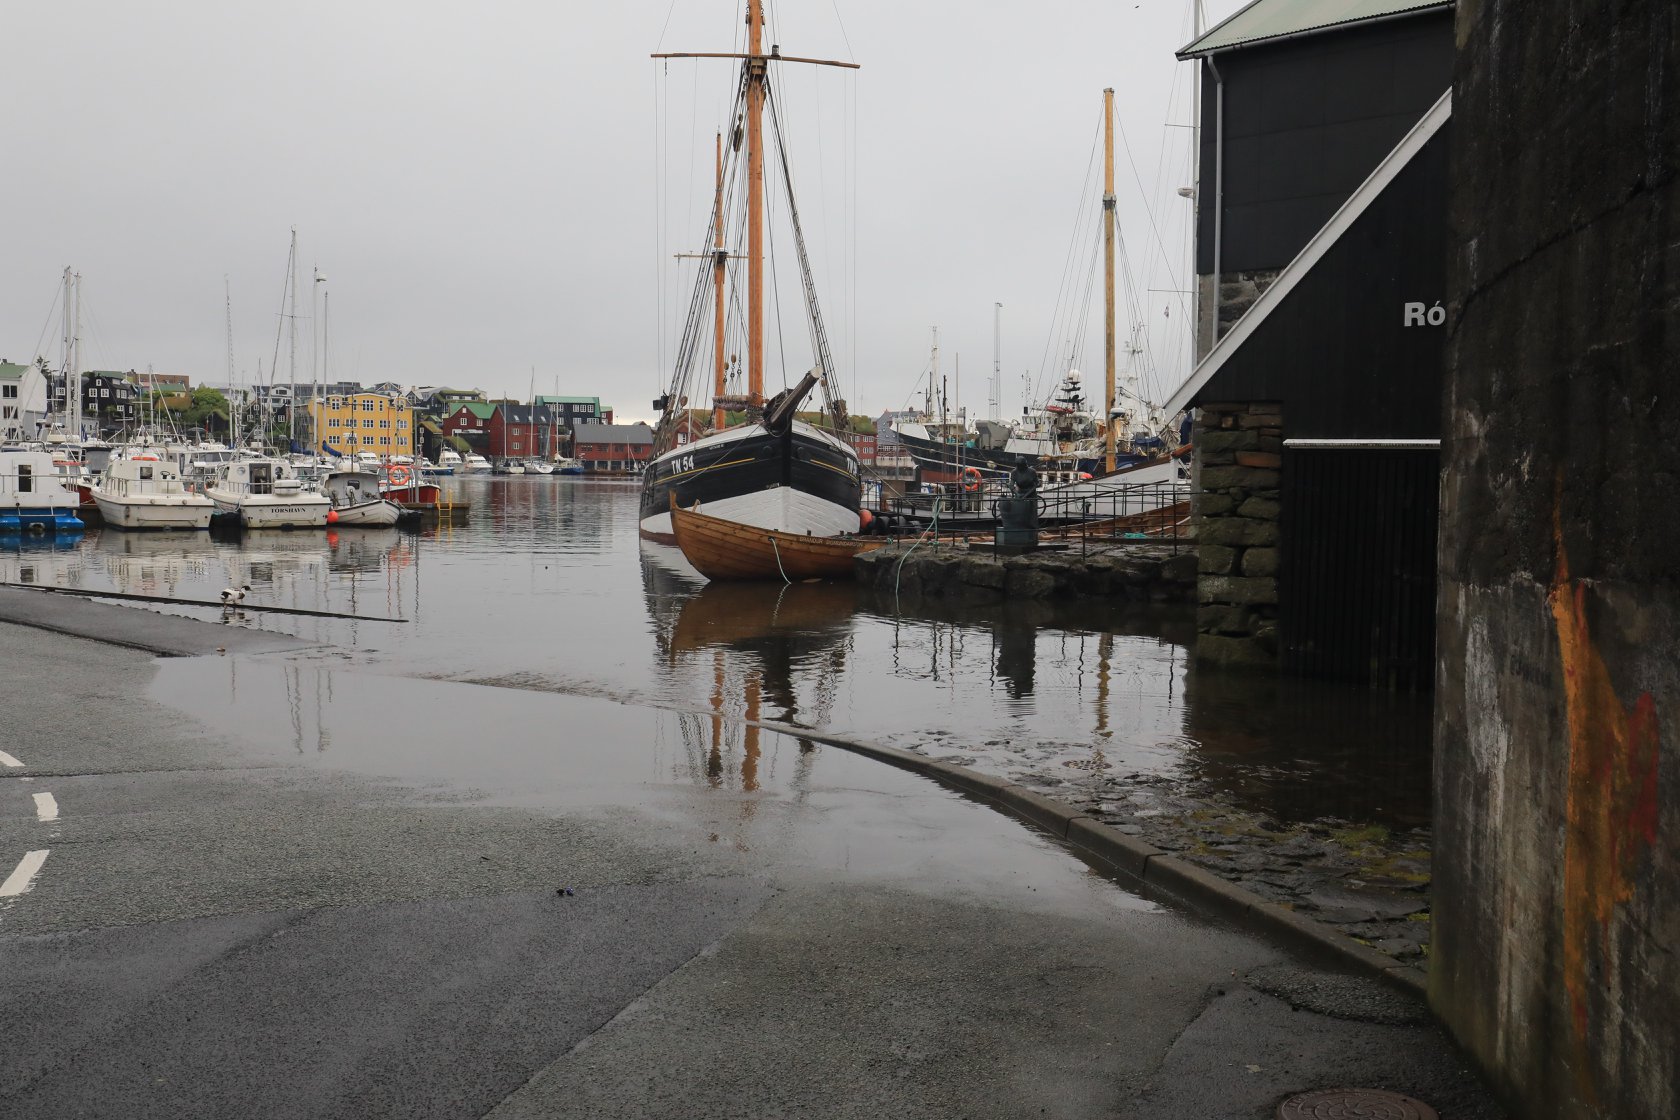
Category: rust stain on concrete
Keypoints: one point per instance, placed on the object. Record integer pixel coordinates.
(1612, 797)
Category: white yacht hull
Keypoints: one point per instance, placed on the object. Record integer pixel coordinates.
(154, 512)
(381, 513)
(271, 511)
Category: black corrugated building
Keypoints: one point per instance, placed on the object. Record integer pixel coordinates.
(1318, 396)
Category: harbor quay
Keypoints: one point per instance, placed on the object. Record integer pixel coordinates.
(277, 879)
(975, 571)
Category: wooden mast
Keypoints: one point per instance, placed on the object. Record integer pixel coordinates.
(757, 63)
(719, 258)
(1108, 277)
(755, 202)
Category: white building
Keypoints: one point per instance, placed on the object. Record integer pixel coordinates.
(23, 400)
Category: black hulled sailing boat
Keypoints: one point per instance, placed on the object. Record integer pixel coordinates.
(772, 470)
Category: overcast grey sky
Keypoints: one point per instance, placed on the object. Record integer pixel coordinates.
(478, 182)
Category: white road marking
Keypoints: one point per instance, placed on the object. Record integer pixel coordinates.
(46, 807)
(8, 760)
(23, 877)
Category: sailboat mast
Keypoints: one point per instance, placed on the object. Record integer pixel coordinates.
(1108, 277)
(756, 66)
(64, 357)
(291, 409)
(719, 259)
(234, 402)
(75, 386)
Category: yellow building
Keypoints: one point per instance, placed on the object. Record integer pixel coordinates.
(363, 422)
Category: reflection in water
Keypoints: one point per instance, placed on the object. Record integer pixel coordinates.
(546, 585)
(1308, 749)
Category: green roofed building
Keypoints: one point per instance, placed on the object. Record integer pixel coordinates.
(573, 411)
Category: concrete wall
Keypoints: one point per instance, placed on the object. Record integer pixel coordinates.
(1557, 867)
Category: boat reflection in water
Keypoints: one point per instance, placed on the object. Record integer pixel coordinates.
(747, 646)
(37, 559)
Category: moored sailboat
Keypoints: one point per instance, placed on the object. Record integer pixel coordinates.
(772, 471)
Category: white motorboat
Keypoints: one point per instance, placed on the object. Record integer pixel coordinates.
(475, 463)
(34, 497)
(144, 492)
(356, 499)
(266, 494)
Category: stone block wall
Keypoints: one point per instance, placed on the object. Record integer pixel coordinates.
(1239, 457)
(1556, 956)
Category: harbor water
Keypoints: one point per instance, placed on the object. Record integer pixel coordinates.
(546, 586)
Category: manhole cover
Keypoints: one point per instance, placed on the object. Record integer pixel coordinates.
(1353, 1104)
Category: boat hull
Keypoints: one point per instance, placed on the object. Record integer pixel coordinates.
(140, 514)
(270, 511)
(378, 513)
(799, 481)
(728, 550)
(39, 519)
(949, 459)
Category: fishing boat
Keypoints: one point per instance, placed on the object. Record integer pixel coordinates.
(34, 497)
(729, 550)
(773, 471)
(400, 485)
(144, 492)
(356, 499)
(564, 465)
(265, 493)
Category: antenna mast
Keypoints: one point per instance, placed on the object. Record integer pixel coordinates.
(994, 406)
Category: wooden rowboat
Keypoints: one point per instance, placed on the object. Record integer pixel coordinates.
(728, 550)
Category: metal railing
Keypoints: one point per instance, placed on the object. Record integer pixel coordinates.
(1087, 512)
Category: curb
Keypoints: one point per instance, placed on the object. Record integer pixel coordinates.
(1143, 863)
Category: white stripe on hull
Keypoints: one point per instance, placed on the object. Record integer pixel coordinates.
(780, 507)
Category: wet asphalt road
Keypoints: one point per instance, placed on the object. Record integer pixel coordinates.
(277, 886)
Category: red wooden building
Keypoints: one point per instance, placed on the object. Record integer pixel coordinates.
(505, 430)
(612, 448)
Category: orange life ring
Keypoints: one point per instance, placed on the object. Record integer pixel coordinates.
(399, 475)
(971, 479)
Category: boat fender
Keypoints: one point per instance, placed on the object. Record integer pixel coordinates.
(332, 517)
(864, 519)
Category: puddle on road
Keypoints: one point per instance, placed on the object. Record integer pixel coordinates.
(767, 801)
